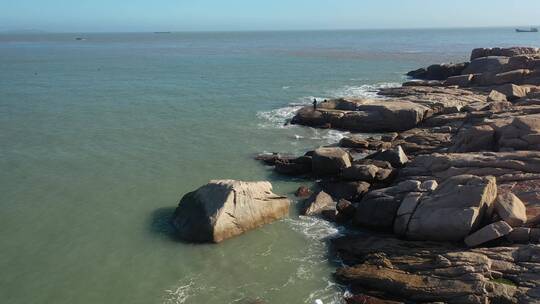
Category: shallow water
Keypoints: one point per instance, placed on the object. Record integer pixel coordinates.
(101, 137)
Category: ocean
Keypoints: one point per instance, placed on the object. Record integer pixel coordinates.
(100, 138)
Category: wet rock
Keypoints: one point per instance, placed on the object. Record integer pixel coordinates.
(511, 209)
(330, 161)
(317, 203)
(303, 192)
(294, 167)
(226, 208)
(346, 209)
(453, 210)
(352, 191)
(395, 156)
(488, 233)
(429, 185)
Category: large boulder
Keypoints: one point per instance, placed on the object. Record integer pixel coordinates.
(486, 65)
(523, 133)
(330, 161)
(364, 115)
(226, 208)
(438, 71)
(511, 209)
(352, 191)
(455, 209)
(379, 207)
(473, 139)
(395, 156)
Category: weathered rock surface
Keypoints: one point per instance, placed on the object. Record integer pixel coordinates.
(422, 272)
(506, 52)
(455, 209)
(488, 233)
(351, 191)
(226, 208)
(438, 71)
(363, 115)
(330, 161)
(395, 156)
(317, 203)
(511, 209)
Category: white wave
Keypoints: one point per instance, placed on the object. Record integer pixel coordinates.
(362, 91)
(327, 295)
(314, 228)
(182, 292)
(278, 117)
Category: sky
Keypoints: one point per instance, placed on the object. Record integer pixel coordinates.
(249, 15)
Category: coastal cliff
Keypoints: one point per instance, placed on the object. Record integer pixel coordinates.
(449, 187)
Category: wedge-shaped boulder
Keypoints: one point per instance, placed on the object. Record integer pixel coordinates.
(226, 208)
(488, 233)
(453, 210)
(317, 203)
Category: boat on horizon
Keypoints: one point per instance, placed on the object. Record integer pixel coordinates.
(530, 30)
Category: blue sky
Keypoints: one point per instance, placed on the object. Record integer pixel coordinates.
(209, 15)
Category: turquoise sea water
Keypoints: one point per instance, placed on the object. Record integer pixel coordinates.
(99, 139)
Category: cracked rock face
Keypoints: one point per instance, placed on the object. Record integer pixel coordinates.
(422, 272)
(226, 208)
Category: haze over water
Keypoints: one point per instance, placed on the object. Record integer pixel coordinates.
(101, 137)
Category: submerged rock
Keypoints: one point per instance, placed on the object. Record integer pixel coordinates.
(226, 208)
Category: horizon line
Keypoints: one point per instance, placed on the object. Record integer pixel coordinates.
(37, 31)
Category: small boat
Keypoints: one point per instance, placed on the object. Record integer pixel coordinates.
(162, 32)
(531, 30)
(80, 38)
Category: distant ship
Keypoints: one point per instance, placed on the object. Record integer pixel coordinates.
(531, 30)
(162, 32)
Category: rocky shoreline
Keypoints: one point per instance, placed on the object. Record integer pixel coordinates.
(449, 184)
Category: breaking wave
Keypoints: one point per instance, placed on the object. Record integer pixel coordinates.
(277, 118)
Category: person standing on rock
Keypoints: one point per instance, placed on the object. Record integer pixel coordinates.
(314, 103)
